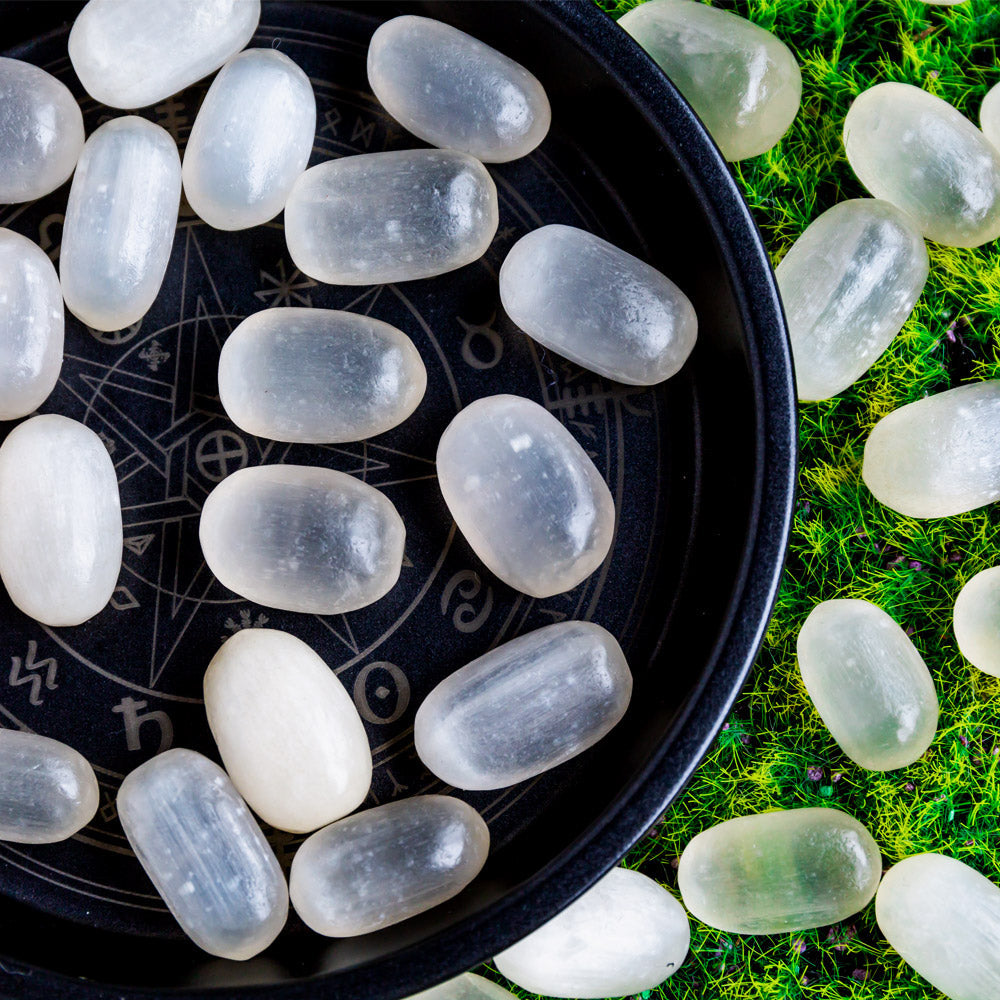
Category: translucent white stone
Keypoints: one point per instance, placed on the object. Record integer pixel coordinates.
(977, 621)
(848, 284)
(524, 707)
(624, 935)
(252, 138)
(204, 853)
(989, 115)
(48, 791)
(41, 132)
(938, 456)
(60, 520)
(453, 91)
(742, 81)
(386, 864)
(465, 987)
(780, 871)
(302, 538)
(382, 217)
(915, 150)
(525, 494)
(132, 53)
(120, 223)
(597, 305)
(319, 375)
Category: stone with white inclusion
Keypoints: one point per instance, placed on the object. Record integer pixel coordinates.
(977, 621)
(468, 986)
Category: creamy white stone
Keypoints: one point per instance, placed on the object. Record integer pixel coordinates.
(120, 223)
(525, 494)
(397, 216)
(977, 621)
(524, 707)
(302, 538)
(989, 115)
(468, 986)
(319, 375)
(60, 520)
(386, 864)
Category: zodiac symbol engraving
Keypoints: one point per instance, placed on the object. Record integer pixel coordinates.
(365, 708)
(466, 618)
(34, 680)
(154, 355)
(220, 453)
(45, 238)
(485, 332)
(128, 709)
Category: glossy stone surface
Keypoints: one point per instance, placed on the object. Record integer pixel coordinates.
(204, 853)
(624, 935)
(780, 871)
(848, 284)
(525, 494)
(468, 986)
(938, 456)
(386, 864)
(302, 538)
(743, 82)
(60, 520)
(914, 149)
(597, 305)
(989, 115)
(977, 621)
(319, 376)
(524, 707)
(120, 223)
(453, 91)
(397, 216)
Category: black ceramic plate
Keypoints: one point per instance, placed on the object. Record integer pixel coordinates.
(701, 470)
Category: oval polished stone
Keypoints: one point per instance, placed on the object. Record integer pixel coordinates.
(302, 538)
(989, 115)
(597, 305)
(397, 216)
(743, 82)
(453, 91)
(386, 864)
(848, 284)
(624, 935)
(525, 494)
(204, 853)
(468, 986)
(120, 223)
(977, 621)
(524, 707)
(780, 871)
(915, 150)
(60, 520)
(129, 54)
(319, 376)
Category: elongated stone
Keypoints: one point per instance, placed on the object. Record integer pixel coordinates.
(525, 494)
(453, 91)
(624, 935)
(204, 853)
(977, 621)
(60, 520)
(120, 223)
(382, 217)
(524, 707)
(989, 115)
(302, 538)
(848, 284)
(386, 864)
(468, 986)
(319, 375)
(780, 871)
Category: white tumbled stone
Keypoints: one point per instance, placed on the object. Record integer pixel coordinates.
(387, 864)
(319, 375)
(525, 494)
(977, 621)
(468, 986)
(989, 115)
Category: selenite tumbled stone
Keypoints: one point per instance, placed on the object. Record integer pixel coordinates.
(943, 918)
(60, 520)
(204, 853)
(48, 791)
(468, 986)
(386, 864)
(597, 305)
(319, 376)
(937, 456)
(743, 82)
(131, 53)
(397, 216)
(302, 538)
(977, 621)
(848, 284)
(624, 935)
(915, 150)
(525, 494)
(453, 91)
(524, 707)
(779, 871)
(120, 223)
(989, 115)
